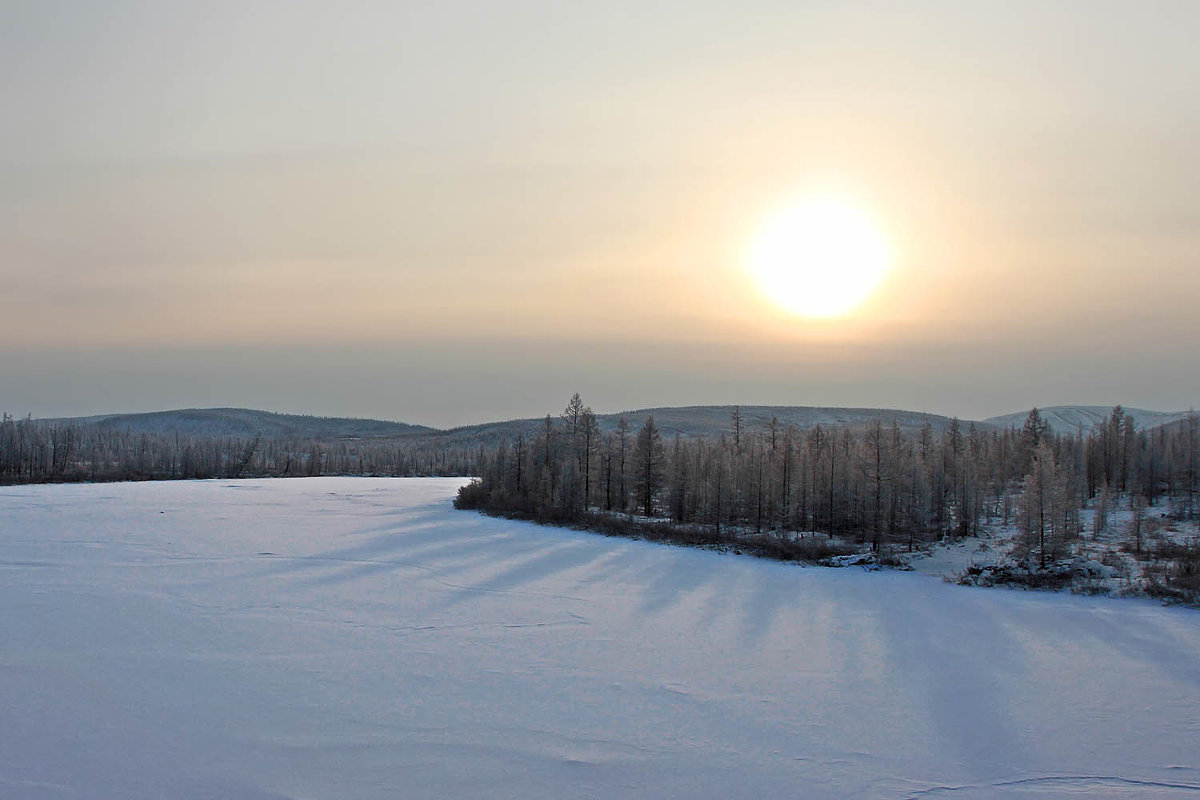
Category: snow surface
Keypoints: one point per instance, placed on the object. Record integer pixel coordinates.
(357, 638)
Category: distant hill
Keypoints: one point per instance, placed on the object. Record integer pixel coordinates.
(1073, 419)
(695, 421)
(686, 421)
(705, 421)
(242, 422)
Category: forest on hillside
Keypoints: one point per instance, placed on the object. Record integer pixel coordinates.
(788, 493)
(33, 451)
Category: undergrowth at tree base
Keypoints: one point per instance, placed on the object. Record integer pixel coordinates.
(808, 549)
(1172, 581)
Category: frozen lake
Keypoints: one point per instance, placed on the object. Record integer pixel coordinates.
(340, 638)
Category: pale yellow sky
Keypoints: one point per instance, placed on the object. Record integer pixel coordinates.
(452, 214)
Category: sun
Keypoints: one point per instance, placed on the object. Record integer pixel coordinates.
(818, 259)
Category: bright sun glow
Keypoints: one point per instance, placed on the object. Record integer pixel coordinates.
(818, 259)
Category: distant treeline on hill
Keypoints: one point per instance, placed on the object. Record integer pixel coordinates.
(33, 451)
(873, 483)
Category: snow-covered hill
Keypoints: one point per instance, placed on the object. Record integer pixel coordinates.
(711, 421)
(356, 638)
(714, 420)
(687, 421)
(245, 422)
(1082, 419)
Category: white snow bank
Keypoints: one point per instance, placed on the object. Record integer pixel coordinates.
(356, 638)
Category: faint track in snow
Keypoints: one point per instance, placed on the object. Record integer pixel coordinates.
(1074, 783)
(58, 789)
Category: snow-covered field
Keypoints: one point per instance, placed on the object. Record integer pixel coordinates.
(349, 638)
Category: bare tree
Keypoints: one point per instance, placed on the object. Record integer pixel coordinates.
(649, 459)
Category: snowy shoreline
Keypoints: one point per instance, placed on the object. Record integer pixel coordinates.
(1099, 564)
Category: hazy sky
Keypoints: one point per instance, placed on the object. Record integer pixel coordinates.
(453, 212)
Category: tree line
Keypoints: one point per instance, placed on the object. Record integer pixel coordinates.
(39, 452)
(876, 485)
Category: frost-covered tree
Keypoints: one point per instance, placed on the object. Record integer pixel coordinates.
(649, 459)
(1049, 511)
